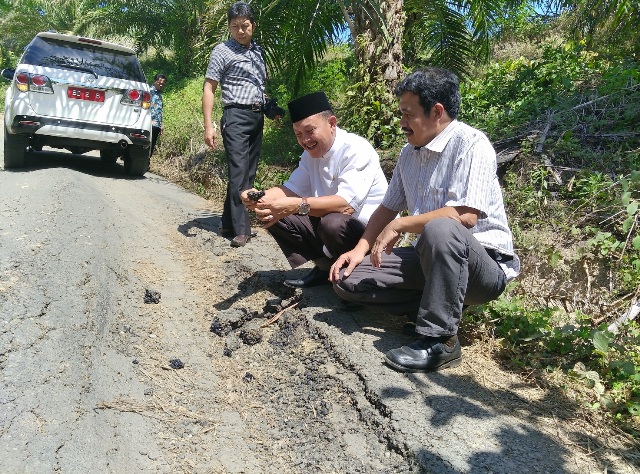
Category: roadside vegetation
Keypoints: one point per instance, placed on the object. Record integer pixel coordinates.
(559, 96)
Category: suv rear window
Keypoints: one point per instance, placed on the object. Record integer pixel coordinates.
(49, 52)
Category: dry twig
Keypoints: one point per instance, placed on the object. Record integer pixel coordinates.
(277, 315)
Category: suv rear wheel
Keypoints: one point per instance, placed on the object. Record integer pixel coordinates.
(15, 150)
(136, 160)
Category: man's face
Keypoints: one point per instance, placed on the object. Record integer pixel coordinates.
(316, 134)
(159, 84)
(418, 127)
(241, 30)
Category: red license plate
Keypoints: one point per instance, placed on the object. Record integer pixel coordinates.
(85, 94)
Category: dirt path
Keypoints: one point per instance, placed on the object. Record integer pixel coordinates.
(87, 379)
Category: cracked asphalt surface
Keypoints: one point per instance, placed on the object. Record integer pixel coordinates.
(88, 385)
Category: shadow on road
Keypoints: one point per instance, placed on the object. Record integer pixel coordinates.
(87, 164)
(208, 222)
(501, 424)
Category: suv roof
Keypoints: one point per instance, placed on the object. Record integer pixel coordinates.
(85, 54)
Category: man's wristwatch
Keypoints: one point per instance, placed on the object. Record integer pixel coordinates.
(304, 207)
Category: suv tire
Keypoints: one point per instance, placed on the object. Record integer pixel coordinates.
(136, 160)
(15, 150)
(110, 156)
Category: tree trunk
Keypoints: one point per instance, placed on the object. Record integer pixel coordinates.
(379, 43)
(378, 46)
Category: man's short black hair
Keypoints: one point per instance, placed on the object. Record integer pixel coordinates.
(240, 9)
(159, 76)
(433, 85)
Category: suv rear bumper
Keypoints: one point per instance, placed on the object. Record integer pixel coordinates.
(84, 131)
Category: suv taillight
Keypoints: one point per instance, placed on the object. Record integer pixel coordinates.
(146, 100)
(135, 97)
(22, 81)
(33, 82)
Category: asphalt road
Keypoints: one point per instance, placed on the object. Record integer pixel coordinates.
(87, 386)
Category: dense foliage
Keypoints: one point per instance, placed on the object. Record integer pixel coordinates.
(569, 115)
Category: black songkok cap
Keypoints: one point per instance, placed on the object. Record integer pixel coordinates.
(308, 105)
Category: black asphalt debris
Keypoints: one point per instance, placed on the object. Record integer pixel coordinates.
(225, 321)
(275, 305)
(248, 377)
(151, 296)
(176, 364)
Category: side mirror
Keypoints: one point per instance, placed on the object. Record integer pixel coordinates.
(8, 74)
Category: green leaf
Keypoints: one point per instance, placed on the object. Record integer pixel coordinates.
(632, 208)
(636, 242)
(625, 184)
(627, 368)
(626, 198)
(532, 337)
(601, 341)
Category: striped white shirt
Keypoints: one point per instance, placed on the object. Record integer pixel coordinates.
(350, 169)
(240, 71)
(457, 168)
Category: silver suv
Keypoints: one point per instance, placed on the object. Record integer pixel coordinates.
(80, 94)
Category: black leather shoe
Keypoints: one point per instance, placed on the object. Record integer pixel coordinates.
(240, 240)
(313, 278)
(224, 232)
(424, 355)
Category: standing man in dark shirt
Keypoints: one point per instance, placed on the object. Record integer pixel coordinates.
(239, 67)
(159, 82)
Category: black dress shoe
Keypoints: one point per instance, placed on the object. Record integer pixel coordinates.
(424, 355)
(240, 240)
(313, 278)
(224, 232)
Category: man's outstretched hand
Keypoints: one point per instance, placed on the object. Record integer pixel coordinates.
(350, 259)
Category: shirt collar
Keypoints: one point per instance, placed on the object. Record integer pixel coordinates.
(441, 139)
(238, 45)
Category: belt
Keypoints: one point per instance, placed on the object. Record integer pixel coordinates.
(497, 256)
(252, 107)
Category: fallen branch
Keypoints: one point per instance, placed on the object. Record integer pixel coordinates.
(545, 132)
(630, 315)
(277, 315)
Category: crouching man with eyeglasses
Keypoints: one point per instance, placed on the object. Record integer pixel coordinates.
(446, 178)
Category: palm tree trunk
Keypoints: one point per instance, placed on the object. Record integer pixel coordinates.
(378, 35)
(379, 42)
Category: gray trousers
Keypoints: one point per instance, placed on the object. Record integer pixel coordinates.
(301, 237)
(242, 138)
(447, 270)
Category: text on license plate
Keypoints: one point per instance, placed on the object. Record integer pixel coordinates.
(85, 94)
